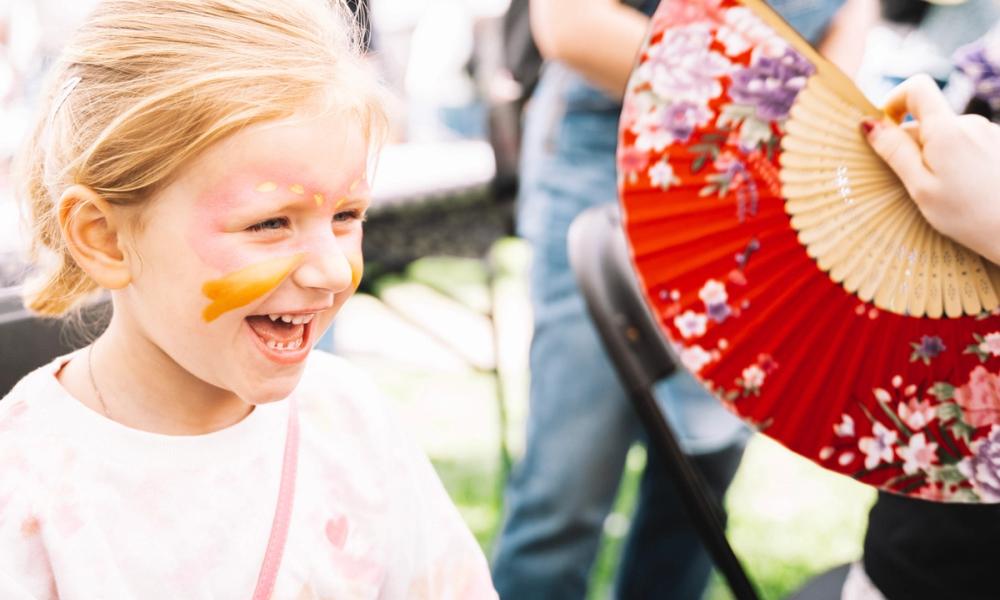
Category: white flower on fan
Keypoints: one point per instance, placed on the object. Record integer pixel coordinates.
(662, 175)
(846, 426)
(753, 377)
(683, 67)
(691, 324)
(713, 293)
(694, 358)
(878, 449)
(918, 454)
(743, 30)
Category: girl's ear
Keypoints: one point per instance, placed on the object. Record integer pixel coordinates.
(92, 231)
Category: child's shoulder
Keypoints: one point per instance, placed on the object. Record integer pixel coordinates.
(333, 390)
(22, 405)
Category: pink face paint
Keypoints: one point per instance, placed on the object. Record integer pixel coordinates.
(221, 217)
(242, 287)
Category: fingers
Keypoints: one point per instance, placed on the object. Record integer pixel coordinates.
(920, 97)
(898, 148)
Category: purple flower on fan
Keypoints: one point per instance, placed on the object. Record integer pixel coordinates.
(718, 312)
(681, 118)
(771, 84)
(983, 467)
(980, 62)
(930, 346)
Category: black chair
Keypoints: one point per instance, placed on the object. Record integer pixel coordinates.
(28, 342)
(599, 257)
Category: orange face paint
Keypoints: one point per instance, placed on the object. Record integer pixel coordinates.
(296, 188)
(267, 186)
(357, 269)
(319, 199)
(242, 287)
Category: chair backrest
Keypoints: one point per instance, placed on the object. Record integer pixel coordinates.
(600, 260)
(642, 356)
(28, 342)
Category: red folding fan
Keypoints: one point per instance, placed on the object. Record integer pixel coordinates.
(788, 266)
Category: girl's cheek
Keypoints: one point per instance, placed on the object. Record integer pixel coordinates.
(245, 285)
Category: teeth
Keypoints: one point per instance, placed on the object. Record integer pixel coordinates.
(294, 319)
(292, 345)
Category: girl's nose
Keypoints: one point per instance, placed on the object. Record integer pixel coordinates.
(327, 270)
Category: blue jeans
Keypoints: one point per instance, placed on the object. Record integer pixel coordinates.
(580, 424)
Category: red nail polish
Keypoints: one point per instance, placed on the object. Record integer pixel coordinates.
(867, 125)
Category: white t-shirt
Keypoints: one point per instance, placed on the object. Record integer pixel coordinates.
(91, 509)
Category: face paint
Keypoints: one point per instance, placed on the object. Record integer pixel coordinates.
(267, 186)
(242, 287)
(357, 269)
(319, 199)
(296, 188)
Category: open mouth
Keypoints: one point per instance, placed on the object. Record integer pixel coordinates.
(282, 334)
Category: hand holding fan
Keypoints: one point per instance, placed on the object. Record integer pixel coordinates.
(789, 267)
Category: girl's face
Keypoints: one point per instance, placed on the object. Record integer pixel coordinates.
(242, 262)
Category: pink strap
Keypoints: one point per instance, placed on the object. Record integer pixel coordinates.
(283, 512)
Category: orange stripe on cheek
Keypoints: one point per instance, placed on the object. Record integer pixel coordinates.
(357, 269)
(242, 287)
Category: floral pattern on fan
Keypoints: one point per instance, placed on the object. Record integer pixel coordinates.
(908, 404)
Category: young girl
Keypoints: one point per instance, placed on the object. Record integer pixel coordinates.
(205, 161)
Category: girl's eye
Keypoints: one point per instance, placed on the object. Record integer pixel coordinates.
(270, 224)
(348, 215)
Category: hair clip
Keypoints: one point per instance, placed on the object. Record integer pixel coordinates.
(67, 88)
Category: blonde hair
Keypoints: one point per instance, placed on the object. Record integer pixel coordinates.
(146, 85)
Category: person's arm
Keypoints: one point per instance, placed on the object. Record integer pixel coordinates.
(597, 38)
(601, 38)
(948, 163)
(844, 42)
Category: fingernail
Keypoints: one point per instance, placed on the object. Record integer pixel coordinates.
(867, 126)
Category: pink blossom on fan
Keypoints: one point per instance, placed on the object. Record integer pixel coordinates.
(631, 160)
(691, 324)
(742, 30)
(918, 455)
(980, 398)
(683, 67)
(878, 449)
(675, 13)
(694, 358)
(991, 344)
(916, 413)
